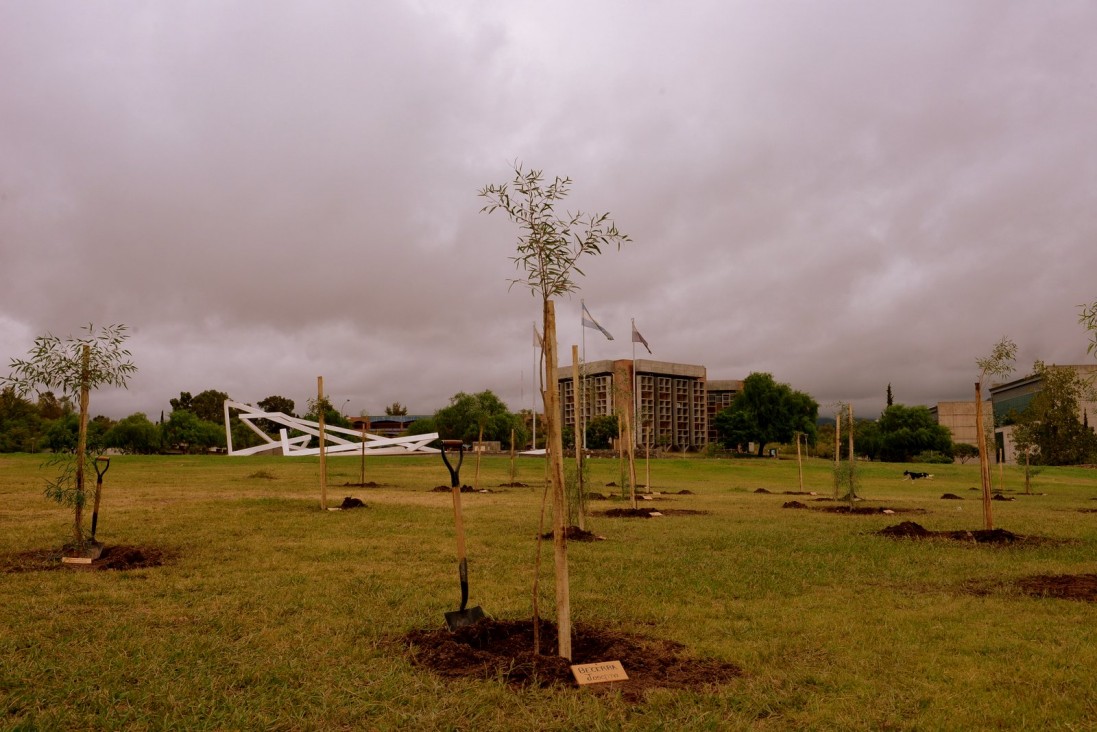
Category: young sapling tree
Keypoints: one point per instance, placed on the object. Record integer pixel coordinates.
(74, 366)
(550, 245)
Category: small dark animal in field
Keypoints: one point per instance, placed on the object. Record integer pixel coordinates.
(915, 476)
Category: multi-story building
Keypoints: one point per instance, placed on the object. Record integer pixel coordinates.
(1014, 396)
(720, 393)
(666, 402)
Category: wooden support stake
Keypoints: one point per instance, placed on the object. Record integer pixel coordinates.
(555, 447)
(578, 442)
(323, 455)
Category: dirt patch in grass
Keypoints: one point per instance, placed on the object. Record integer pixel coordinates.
(1064, 586)
(574, 533)
(786, 493)
(120, 557)
(503, 649)
(515, 484)
(367, 484)
(350, 502)
(951, 497)
(854, 510)
(464, 489)
(912, 530)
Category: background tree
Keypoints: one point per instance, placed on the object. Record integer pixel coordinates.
(907, 431)
(185, 431)
(76, 367)
(332, 416)
(20, 424)
(601, 431)
(463, 417)
(964, 451)
(1050, 427)
(890, 398)
(396, 409)
(765, 411)
(549, 249)
(135, 435)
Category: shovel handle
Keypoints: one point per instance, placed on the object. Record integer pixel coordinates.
(462, 562)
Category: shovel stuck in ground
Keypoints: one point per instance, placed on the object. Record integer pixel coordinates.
(462, 617)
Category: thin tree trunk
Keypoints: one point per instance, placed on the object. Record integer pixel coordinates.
(82, 447)
(479, 452)
(556, 474)
(799, 463)
(984, 459)
(362, 478)
(852, 464)
(837, 450)
(323, 454)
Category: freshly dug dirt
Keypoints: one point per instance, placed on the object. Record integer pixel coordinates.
(629, 512)
(951, 497)
(1000, 497)
(464, 489)
(515, 484)
(350, 502)
(855, 510)
(493, 649)
(574, 533)
(113, 557)
(367, 484)
(911, 530)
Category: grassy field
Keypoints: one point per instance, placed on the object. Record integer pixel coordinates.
(271, 614)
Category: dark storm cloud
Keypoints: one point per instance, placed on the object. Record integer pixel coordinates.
(844, 194)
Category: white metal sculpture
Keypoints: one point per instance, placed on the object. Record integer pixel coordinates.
(301, 445)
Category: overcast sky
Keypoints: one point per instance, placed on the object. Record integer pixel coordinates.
(842, 194)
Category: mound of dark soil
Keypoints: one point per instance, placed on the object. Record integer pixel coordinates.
(367, 484)
(682, 512)
(905, 529)
(1000, 497)
(113, 557)
(628, 513)
(683, 492)
(464, 489)
(515, 484)
(350, 502)
(762, 490)
(793, 504)
(909, 529)
(574, 533)
(494, 649)
(951, 497)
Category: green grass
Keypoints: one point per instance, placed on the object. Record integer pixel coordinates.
(272, 614)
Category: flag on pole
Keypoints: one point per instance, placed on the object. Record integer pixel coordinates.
(637, 338)
(590, 322)
(538, 342)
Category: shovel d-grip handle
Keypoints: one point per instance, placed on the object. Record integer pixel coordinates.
(454, 473)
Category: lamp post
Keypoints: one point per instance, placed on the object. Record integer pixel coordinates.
(343, 409)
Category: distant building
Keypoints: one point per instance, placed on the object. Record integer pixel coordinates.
(959, 418)
(672, 403)
(1014, 396)
(386, 425)
(719, 394)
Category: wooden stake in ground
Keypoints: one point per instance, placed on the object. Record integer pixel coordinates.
(647, 459)
(852, 464)
(365, 424)
(513, 471)
(837, 448)
(479, 452)
(323, 455)
(799, 462)
(984, 459)
(631, 463)
(555, 448)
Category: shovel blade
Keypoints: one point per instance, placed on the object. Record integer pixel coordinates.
(464, 618)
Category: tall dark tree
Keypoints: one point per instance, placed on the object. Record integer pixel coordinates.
(765, 411)
(891, 399)
(396, 409)
(467, 413)
(907, 431)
